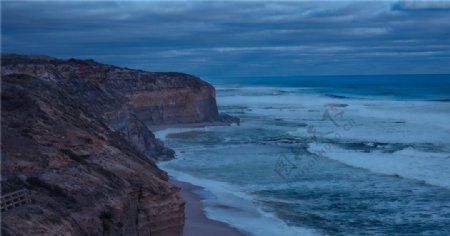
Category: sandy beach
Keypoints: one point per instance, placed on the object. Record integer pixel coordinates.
(197, 224)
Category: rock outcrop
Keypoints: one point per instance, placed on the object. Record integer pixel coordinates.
(137, 133)
(155, 98)
(120, 95)
(75, 133)
(84, 178)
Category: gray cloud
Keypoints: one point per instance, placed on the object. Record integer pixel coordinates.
(422, 5)
(237, 38)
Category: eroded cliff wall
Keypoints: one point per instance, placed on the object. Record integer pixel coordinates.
(155, 98)
(127, 100)
(84, 178)
(75, 134)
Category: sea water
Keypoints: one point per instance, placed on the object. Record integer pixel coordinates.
(367, 155)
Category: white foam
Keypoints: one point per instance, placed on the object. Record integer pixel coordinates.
(242, 211)
(432, 168)
(376, 121)
(380, 121)
(161, 134)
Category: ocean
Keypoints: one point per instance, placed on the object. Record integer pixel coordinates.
(331, 155)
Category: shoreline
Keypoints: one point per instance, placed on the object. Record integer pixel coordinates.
(156, 128)
(196, 221)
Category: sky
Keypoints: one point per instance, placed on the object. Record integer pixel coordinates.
(237, 38)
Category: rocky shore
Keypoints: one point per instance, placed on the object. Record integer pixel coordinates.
(75, 135)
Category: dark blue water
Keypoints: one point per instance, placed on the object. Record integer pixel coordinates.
(287, 170)
(402, 87)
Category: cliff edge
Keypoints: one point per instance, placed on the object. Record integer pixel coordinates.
(129, 101)
(83, 178)
(75, 137)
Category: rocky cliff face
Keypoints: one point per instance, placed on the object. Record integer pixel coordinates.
(75, 134)
(155, 98)
(118, 94)
(84, 178)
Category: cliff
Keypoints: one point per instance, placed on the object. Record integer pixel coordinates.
(75, 135)
(127, 100)
(155, 98)
(84, 178)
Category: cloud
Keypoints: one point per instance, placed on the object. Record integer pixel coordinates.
(421, 5)
(236, 38)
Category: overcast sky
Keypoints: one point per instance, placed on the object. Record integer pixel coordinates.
(238, 38)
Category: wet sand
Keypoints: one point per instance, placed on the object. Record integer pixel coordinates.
(197, 224)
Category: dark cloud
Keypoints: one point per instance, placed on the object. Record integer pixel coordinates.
(421, 5)
(237, 38)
